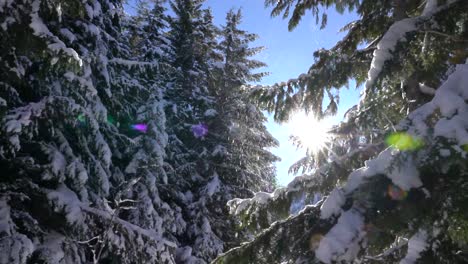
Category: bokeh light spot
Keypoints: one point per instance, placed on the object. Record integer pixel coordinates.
(403, 141)
(110, 120)
(396, 193)
(140, 127)
(314, 241)
(200, 130)
(465, 147)
(81, 118)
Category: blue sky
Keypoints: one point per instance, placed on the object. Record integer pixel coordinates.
(288, 54)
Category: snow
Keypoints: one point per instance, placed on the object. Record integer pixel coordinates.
(5, 3)
(93, 11)
(132, 166)
(213, 186)
(102, 178)
(51, 248)
(237, 205)
(426, 89)
(188, 196)
(59, 12)
(151, 234)
(341, 243)
(5, 220)
(131, 63)
(210, 113)
(65, 199)
(430, 6)
(219, 150)
(262, 197)
(15, 249)
(41, 30)
(20, 118)
(77, 171)
(385, 47)
(68, 34)
(416, 245)
(58, 163)
(392, 37)
(332, 205)
(103, 148)
(183, 254)
(449, 99)
(297, 204)
(406, 175)
(7, 21)
(84, 82)
(95, 31)
(444, 152)
(218, 64)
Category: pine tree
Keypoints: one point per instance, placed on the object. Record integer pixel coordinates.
(407, 199)
(69, 99)
(239, 141)
(239, 121)
(193, 38)
(211, 162)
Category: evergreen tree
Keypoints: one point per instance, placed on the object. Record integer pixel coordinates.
(406, 201)
(211, 162)
(189, 103)
(238, 138)
(70, 95)
(147, 32)
(241, 136)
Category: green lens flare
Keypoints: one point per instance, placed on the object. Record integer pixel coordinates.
(403, 141)
(81, 118)
(110, 120)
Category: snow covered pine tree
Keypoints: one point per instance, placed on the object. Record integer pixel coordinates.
(407, 201)
(240, 137)
(92, 170)
(209, 167)
(72, 100)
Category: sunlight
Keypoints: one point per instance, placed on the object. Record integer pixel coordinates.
(311, 132)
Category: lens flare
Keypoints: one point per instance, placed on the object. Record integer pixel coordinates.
(81, 118)
(140, 127)
(404, 141)
(200, 130)
(110, 120)
(312, 133)
(314, 241)
(396, 193)
(81, 121)
(465, 147)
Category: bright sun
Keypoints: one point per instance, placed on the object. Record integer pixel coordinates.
(312, 133)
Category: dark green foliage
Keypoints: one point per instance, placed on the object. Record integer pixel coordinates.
(99, 159)
(396, 111)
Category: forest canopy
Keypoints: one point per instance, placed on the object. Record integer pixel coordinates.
(139, 138)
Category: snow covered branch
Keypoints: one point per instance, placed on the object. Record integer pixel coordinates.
(396, 34)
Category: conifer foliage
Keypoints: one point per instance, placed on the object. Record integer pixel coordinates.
(123, 137)
(112, 143)
(395, 175)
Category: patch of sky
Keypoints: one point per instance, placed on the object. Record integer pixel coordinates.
(288, 54)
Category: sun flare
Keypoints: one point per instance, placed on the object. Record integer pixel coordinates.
(312, 133)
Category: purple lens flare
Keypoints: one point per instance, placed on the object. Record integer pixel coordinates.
(200, 130)
(140, 127)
